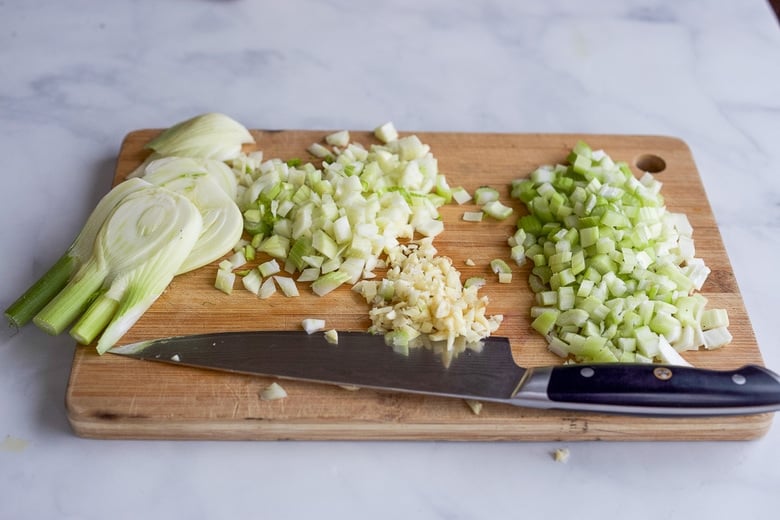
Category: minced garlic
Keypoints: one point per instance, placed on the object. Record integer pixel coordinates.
(422, 300)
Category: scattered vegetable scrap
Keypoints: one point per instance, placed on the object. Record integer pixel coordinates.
(273, 392)
(561, 455)
(332, 336)
(312, 325)
(476, 406)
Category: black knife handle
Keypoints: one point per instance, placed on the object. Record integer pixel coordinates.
(653, 389)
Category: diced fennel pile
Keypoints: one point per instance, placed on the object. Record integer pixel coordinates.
(181, 215)
(614, 272)
(422, 302)
(333, 224)
(329, 225)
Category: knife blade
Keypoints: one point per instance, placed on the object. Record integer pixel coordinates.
(488, 373)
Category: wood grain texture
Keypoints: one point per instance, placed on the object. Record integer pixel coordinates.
(114, 397)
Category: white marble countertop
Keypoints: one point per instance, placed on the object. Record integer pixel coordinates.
(77, 76)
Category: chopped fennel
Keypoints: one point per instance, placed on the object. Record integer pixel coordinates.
(252, 281)
(267, 288)
(237, 259)
(311, 325)
(340, 138)
(287, 285)
(225, 280)
(269, 267)
(317, 150)
(330, 224)
(614, 271)
(273, 392)
(386, 132)
(332, 336)
(476, 406)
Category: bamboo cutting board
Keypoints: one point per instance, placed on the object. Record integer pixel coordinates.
(115, 397)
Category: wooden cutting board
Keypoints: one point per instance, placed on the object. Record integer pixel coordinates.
(115, 397)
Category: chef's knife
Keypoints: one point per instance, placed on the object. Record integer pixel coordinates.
(485, 374)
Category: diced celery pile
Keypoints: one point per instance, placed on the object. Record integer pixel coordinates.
(614, 272)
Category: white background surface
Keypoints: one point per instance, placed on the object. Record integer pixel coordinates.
(77, 76)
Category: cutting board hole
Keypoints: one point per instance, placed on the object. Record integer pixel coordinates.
(650, 163)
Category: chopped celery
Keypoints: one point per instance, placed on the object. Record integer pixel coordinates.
(460, 195)
(473, 216)
(544, 323)
(611, 264)
(499, 266)
(485, 194)
(497, 210)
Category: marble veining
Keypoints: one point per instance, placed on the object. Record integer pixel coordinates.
(77, 76)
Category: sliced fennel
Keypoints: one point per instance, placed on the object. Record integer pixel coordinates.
(614, 273)
(222, 221)
(39, 294)
(218, 171)
(207, 136)
(136, 253)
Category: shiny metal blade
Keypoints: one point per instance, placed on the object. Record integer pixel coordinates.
(359, 359)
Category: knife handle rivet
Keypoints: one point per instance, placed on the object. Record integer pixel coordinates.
(587, 372)
(662, 373)
(739, 379)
